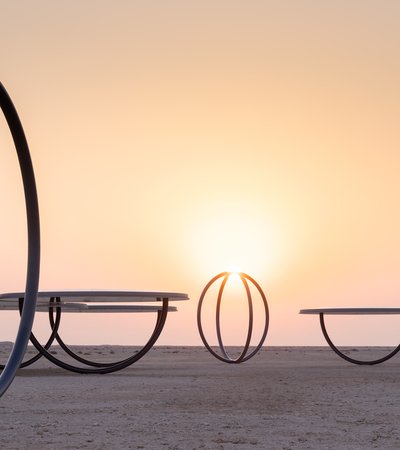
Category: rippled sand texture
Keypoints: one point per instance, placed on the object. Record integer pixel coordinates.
(183, 398)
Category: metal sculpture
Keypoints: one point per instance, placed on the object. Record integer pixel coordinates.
(55, 306)
(99, 368)
(33, 225)
(348, 358)
(244, 356)
(322, 312)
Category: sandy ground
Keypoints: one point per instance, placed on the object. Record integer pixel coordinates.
(183, 398)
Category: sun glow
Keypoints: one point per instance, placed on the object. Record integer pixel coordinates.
(234, 269)
(234, 276)
(237, 240)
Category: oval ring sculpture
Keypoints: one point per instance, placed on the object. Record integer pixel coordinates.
(33, 263)
(244, 356)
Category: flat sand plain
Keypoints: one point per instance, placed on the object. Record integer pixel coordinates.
(183, 398)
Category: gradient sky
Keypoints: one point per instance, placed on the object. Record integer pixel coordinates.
(173, 140)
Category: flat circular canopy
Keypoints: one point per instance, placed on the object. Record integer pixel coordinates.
(350, 311)
(101, 296)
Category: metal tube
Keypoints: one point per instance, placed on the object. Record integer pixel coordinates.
(348, 358)
(161, 318)
(33, 226)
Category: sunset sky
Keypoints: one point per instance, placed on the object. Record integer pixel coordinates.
(173, 140)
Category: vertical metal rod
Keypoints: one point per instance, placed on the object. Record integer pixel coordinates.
(218, 317)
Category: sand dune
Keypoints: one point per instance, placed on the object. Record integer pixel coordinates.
(183, 398)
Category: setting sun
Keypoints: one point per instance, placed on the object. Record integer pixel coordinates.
(236, 237)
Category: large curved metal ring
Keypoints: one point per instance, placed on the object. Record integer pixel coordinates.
(347, 358)
(244, 356)
(33, 263)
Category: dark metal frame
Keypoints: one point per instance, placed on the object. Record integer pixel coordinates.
(347, 358)
(244, 356)
(99, 368)
(33, 225)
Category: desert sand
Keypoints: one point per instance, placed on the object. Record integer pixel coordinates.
(183, 398)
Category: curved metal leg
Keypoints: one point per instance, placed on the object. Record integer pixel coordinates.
(266, 311)
(55, 327)
(32, 212)
(243, 356)
(347, 358)
(88, 362)
(162, 316)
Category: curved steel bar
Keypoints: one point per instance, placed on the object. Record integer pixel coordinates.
(243, 356)
(52, 336)
(250, 329)
(227, 358)
(50, 340)
(89, 362)
(199, 324)
(266, 311)
(119, 365)
(347, 358)
(33, 263)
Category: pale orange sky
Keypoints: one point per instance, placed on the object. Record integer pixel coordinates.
(173, 140)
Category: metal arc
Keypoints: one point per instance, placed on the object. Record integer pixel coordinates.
(50, 340)
(33, 227)
(243, 354)
(199, 323)
(348, 358)
(266, 312)
(52, 336)
(161, 318)
(86, 361)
